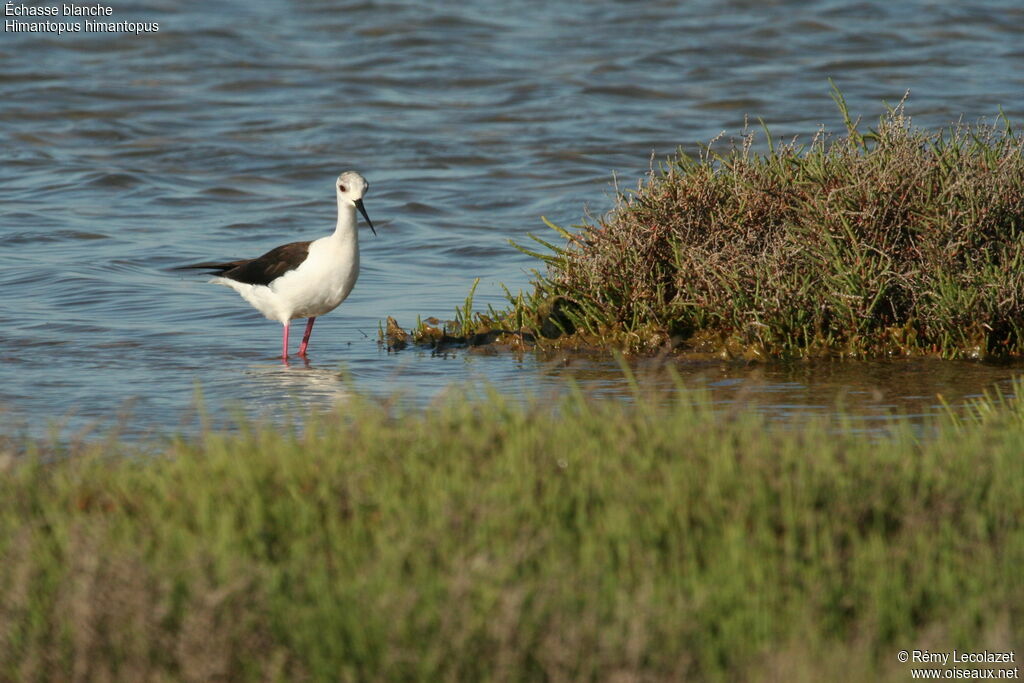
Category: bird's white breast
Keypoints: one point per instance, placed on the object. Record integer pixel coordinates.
(323, 280)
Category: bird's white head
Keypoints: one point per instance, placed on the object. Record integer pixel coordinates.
(351, 187)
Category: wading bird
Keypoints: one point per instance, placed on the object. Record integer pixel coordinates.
(302, 279)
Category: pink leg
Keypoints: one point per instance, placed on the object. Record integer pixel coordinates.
(284, 353)
(305, 337)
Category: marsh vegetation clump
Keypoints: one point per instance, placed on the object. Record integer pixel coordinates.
(894, 241)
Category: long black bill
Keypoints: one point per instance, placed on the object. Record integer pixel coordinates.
(359, 205)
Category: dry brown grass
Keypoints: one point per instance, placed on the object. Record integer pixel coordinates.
(898, 241)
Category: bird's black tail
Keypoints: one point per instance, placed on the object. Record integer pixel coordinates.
(215, 268)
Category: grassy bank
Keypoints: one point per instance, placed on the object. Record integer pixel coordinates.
(491, 541)
(890, 241)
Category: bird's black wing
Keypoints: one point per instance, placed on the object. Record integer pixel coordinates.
(262, 270)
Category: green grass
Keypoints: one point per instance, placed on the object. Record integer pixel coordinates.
(489, 540)
(893, 241)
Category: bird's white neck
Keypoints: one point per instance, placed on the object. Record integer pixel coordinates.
(346, 226)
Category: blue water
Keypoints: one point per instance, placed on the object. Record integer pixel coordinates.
(220, 135)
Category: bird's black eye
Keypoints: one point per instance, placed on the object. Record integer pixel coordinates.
(342, 188)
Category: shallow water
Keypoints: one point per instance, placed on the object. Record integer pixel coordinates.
(220, 136)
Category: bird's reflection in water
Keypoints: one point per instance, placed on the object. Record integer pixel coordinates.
(279, 388)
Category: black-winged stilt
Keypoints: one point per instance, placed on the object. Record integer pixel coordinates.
(302, 279)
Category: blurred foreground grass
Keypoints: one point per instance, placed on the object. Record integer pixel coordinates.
(494, 541)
